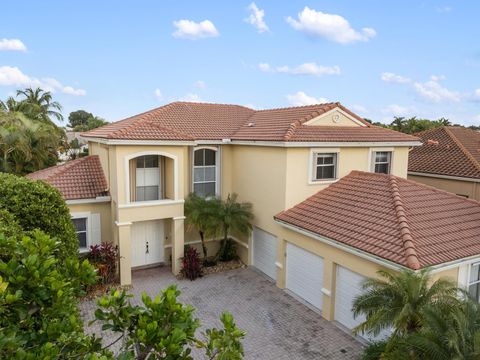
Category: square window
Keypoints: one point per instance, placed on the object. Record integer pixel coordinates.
(151, 161)
(382, 162)
(325, 166)
(210, 173)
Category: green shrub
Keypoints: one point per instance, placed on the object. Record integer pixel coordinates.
(229, 251)
(37, 205)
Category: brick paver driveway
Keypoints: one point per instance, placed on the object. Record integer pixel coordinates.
(277, 325)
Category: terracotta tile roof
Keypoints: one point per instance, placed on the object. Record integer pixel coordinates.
(399, 220)
(201, 121)
(450, 150)
(82, 178)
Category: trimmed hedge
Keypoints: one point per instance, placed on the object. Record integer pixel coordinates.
(37, 205)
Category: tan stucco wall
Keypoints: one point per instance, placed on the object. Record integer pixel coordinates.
(105, 216)
(451, 274)
(459, 187)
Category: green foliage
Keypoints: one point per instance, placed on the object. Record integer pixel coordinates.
(37, 205)
(163, 328)
(39, 318)
(27, 145)
(234, 217)
(191, 264)
(81, 120)
(37, 104)
(230, 251)
(412, 125)
(202, 214)
(398, 300)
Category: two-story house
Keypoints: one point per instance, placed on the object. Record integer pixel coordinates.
(329, 191)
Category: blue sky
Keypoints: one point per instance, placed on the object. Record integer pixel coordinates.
(119, 58)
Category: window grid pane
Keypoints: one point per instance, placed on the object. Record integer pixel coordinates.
(204, 172)
(325, 166)
(81, 231)
(382, 162)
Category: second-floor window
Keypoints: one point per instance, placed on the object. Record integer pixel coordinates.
(147, 178)
(324, 166)
(382, 162)
(474, 282)
(205, 172)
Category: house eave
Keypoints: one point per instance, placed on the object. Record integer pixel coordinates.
(99, 199)
(441, 176)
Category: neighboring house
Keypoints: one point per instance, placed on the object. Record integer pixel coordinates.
(77, 146)
(449, 159)
(275, 159)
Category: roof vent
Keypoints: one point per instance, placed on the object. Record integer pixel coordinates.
(432, 142)
(250, 124)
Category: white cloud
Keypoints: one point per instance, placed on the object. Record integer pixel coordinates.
(13, 76)
(191, 98)
(329, 26)
(301, 99)
(433, 91)
(158, 94)
(476, 94)
(396, 110)
(444, 9)
(311, 69)
(391, 77)
(200, 84)
(12, 45)
(256, 18)
(188, 29)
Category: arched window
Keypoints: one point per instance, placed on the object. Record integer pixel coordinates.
(205, 172)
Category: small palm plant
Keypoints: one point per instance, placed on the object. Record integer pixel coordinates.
(399, 301)
(202, 214)
(234, 217)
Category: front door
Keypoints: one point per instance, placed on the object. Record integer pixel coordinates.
(147, 243)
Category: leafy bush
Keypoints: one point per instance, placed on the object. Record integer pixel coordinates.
(39, 318)
(191, 263)
(230, 251)
(37, 205)
(105, 258)
(163, 328)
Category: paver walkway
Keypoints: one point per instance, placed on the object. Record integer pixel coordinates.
(277, 325)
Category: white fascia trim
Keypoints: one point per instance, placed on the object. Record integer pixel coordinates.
(455, 263)
(124, 223)
(378, 260)
(448, 177)
(255, 143)
(100, 199)
(150, 203)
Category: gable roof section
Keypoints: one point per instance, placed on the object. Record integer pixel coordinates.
(201, 121)
(449, 150)
(410, 224)
(82, 178)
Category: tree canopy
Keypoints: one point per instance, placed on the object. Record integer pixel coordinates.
(82, 120)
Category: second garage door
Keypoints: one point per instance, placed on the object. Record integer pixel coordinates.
(305, 275)
(265, 252)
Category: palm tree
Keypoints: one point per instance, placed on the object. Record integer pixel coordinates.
(202, 214)
(398, 123)
(455, 335)
(399, 300)
(12, 139)
(38, 104)
(235, 218)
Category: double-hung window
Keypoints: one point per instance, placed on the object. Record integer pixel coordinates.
(147, 178)
(474, 282)
(205, 172)
(324, 166)
(82, 232)
(382, 161)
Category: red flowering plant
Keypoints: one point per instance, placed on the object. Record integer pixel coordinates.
(191, 263)
(105, 258)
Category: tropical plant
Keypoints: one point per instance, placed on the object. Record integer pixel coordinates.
(191, 264)
(163, 328)
(234, 217)
(398, 301)
(81, 120)
(202, 214)
(38, 104)
(454, 335)
(105, 259)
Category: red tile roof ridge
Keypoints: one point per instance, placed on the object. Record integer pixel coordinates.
(462, 147)
(411, 257)
(208, 103)
(298, 107)
(151, 122)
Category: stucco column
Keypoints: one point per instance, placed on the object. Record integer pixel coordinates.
(125, 248)
(178, 233)
(328, 290)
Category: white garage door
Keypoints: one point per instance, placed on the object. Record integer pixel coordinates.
(147, 238)
(305, 275)
(265, 252)
(349, 286)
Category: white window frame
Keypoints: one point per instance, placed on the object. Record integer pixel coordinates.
(312, 166)
(159, 170)
(217, 167)
(469, 275)
(371, 158)
(84, 215)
